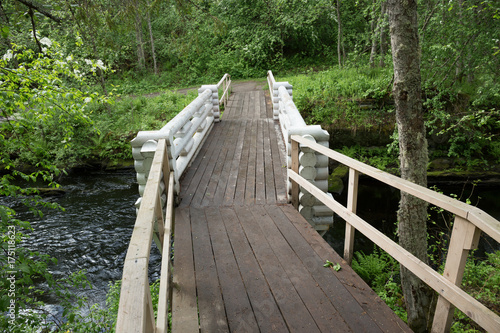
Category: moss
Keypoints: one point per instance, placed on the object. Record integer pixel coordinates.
(335, 184)
(340, 171)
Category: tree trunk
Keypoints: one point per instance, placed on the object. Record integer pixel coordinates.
(373, 28)
(141, 58)
(412, 214)
(152, 43)
(339, 35)
(383, 35)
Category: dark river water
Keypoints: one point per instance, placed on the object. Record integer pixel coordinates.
(94, 231)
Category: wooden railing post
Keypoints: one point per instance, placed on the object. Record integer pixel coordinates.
(352, 202)
(295, 168)
(464, 237)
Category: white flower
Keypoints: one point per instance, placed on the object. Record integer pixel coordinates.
(88, 100)
(88, 62)
(7, 56)
(46, 41)
(100, 64)
(69, 58)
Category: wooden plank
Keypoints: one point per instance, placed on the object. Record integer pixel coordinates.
(191, 179)
(294, 311)
(380, 313)
(211, 159)
(352, 201)
(268, 165)
(263, 108)
(251, 169)
(251, 106)
(295, 168)
(230, 190)
(184, 305)
(257, 109)
(347, 306)
(232, 158)
(224, 147)
(320, 307)
(134, 313)
(239, 194)
(238, 309)
(260, 176)
(464, 237)
(210, 304)
(279, 165)
(165, 273)
(269, 105)
(267, 312)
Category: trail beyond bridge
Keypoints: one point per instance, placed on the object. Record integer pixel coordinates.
(244, 259)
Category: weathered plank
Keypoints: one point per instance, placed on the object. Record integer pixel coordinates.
(294, 311)
(260, 176)
(346, 305)
(264, 305)
(239, 194)
(192, 178)
(184, 306)
(379, 312)
(238, 309)
(251, 169)
(321, 309)
(268, 165)
(211, 307)
(279, 166)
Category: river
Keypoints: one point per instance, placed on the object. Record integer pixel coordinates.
(93, 232)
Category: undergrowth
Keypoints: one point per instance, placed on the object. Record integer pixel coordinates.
(481, 280)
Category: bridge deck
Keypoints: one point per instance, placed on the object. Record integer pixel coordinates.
(245, 261)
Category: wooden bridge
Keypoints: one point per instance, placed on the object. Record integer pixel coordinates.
(244, 259)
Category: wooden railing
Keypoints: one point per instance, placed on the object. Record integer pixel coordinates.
(185, 133)
(225, 84)
(135, 311)
(313, 167)
(467, 227)
(160, 159)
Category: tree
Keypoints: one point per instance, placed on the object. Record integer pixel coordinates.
(407, 91)
(41, 113)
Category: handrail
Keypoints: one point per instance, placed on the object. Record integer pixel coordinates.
(226, 89)
(469, 222)
(312, 166)
(160, 158)
(184, 133)
(135, 310)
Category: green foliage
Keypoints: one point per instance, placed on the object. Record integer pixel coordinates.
(481, 281)
(333, 97)
(101, 320)
(42, 100)
(129, 116)
(377, 157)
(381, 272)
(44, 108)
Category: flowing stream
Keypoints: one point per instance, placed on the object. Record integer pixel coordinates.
(93, 232)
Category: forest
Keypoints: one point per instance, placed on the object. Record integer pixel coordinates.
(80, 78)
